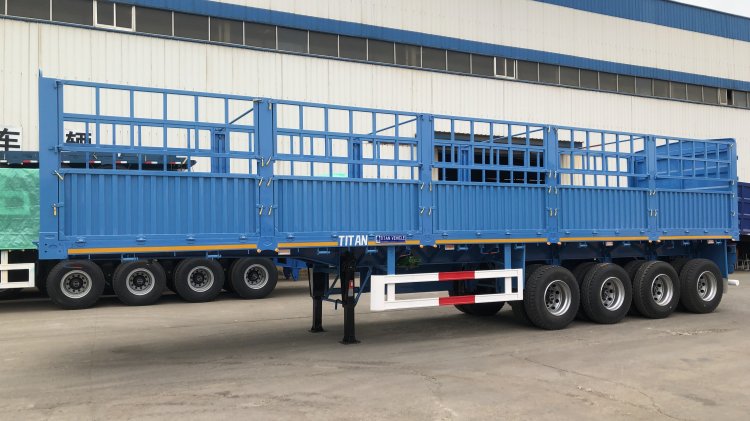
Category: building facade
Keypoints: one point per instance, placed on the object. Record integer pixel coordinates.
(645, 66)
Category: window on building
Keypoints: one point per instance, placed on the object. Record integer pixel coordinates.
(380, 51)
(153, 21)
(589, 79)
(661, 88)
(190, 26)
(510, 67)
(644, 86)
(259, 35)
(73, 11)
(528, 70)
(105, 13)
(710, 95)
(433, 58)
(294, 40)
(224, 30)
(608, 81)
(37, 9)
(353, 48)
(723, 96)
(408, 55)
(625, 84)
(482, 65)
(549, 73)
(569, 76)
(124, 16)
(678, 90)
(739, 99)
(695, 93)
(459, 62)
(324, 44)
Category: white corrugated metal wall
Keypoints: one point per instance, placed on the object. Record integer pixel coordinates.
(99, 56)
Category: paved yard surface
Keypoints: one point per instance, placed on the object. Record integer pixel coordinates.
(234, 359)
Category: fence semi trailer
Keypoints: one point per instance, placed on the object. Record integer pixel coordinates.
(419, 209)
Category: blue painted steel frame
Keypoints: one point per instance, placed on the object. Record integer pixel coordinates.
(543, 200)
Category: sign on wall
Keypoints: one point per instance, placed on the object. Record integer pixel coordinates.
(10, 138)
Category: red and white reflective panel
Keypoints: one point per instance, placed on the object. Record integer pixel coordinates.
(383, 289)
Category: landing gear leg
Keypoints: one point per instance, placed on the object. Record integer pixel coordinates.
(348, 268)
(318, 285)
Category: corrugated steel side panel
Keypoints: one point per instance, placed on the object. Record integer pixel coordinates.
(345, 206)
(743, 192)
(690, 213)
(587, 208)
(488, 208)
(133, 204)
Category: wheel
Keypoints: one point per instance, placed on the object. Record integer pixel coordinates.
(198, 280)
(519, 311)
(483, 309)
(702, 286)
(631, 268)
(75, 284)
(253, 277)
(656, 289)
(606, 293)
(679, 263)
(580, 272)
(139, 283)
(551, 297)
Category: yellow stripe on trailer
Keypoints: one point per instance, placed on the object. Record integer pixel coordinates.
(155, 249)
(492, 241)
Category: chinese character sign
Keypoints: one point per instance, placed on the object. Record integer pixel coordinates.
(10, 138)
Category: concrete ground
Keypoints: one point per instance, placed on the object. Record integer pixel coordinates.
(234, 359)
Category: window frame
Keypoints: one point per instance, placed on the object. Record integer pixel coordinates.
(114, 17)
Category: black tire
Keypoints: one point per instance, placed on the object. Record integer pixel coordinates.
(198, 280)
(679, 263)
(519, 311)
(75, 284)
(253, 277)
(702, 286)
(580, 272)
(631, 268)
(551, 297)
(139, 283)
(483, 309)
(606, 293)
(656, 289)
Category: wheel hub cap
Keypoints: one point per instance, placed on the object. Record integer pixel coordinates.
(612, 293)
(200, 279)
(707, 285)
(140, 282)
(75, 284)
(256, 276)
(557, 297)
(662, 289)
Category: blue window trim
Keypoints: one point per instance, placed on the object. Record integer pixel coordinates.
(254, 14)
(667, 13)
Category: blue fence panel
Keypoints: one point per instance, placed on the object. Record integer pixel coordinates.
(694, 212)
(315, 206)
(603, 211)
(128, 169)
(462, 210)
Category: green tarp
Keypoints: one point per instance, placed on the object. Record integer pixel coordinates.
(19, 208)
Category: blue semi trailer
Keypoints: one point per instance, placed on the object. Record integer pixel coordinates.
(557, 221)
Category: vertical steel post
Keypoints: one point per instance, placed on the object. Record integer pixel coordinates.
(318, 286)
(348, 268)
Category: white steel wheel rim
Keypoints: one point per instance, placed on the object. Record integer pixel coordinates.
(662, 289)
(140, 281)
(612, 293)
(557, 297)
(76, 284)
(200, 279)
(256, 276)
(707, 286)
